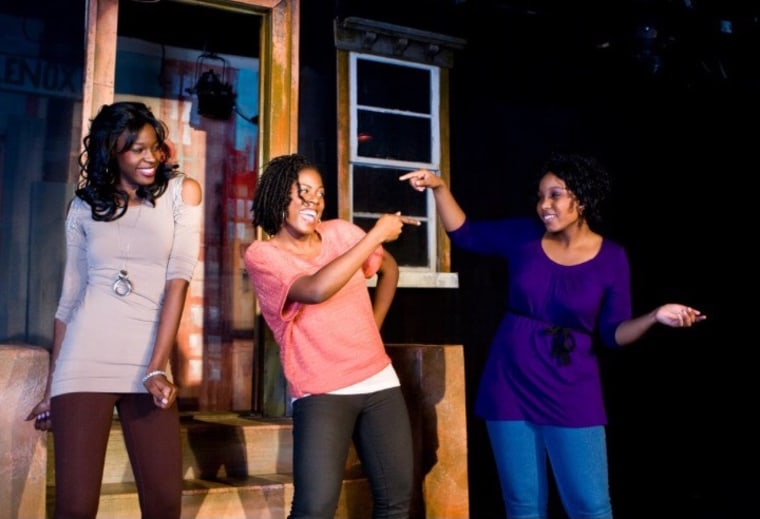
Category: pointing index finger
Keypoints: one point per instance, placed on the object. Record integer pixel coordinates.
(410, 221)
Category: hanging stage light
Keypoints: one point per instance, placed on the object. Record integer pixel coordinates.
(216, 99)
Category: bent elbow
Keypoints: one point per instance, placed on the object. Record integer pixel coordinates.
(310, 295)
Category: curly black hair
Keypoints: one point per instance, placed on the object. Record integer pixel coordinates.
(272, 196)
(99, 182)
(585, 177)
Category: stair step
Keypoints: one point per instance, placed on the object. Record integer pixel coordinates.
(263, 497)
(219, 445)
(214, 445)
(235, 466)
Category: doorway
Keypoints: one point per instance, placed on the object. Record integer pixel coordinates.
(197, 67)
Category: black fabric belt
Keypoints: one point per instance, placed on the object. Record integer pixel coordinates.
(563, 341)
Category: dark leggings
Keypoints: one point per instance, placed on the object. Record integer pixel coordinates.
(323, 428)
(81, 428)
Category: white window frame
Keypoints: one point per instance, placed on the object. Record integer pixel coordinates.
(435, 146)
(361, 38)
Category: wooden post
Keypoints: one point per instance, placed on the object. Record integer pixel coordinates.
(432, 379)
(23, 449)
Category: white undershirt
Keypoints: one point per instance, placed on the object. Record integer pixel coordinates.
(383, 379)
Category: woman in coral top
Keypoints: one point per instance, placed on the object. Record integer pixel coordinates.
(310, 280)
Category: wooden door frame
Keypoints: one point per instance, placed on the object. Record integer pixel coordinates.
(279, 44)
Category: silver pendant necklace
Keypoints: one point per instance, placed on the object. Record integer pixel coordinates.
(122, 286)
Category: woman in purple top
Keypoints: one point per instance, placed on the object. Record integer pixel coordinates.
(540, 392)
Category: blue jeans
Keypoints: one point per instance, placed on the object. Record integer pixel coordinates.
(578, 459)
(324, 427)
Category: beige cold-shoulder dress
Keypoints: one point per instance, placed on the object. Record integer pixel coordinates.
(109, 338)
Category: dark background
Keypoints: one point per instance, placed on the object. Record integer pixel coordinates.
(666, 95)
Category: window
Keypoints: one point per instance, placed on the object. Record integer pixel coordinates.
(393, 113)
(395, 129)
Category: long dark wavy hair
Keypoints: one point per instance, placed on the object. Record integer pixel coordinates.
(99, 181)
(272, 196)
(586, 178)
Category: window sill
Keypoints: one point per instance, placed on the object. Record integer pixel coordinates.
(423, 280)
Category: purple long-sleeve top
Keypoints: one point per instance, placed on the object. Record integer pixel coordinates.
(522, 380)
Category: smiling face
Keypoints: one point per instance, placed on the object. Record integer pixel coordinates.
(307, 202)
(557, 206)
(138, 163)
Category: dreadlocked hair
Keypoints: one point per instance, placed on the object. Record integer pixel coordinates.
(99, 180)
(272, 196)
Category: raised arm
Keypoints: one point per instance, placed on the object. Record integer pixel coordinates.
(324, 283)
(452, 215)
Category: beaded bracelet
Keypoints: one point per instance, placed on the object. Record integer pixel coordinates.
(153, 374)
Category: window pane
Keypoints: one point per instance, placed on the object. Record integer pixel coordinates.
(378, 190)
(395, 87)
(410, 249)
(389, 136)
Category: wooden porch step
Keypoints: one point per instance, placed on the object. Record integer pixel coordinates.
(235, 467)
(261, 497)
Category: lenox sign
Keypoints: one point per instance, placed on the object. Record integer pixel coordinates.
(40, 76)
